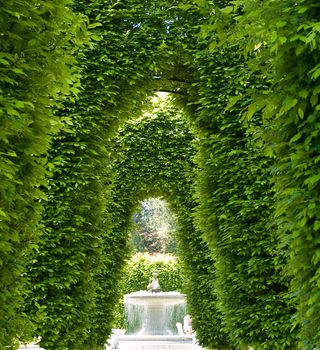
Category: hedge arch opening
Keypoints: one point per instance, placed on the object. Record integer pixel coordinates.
(154, 227)
(150, 156)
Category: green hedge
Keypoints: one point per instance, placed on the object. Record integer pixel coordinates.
(154, 159)
(235, 208)
(74, 272)
(200, 273)
(37, 73)
(289, 33)
(281, 42)
(138, 272)
(75, 275)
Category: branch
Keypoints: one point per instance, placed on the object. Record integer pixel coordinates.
(180, 80)
(172, 92)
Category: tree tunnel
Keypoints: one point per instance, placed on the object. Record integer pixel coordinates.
(87, 177)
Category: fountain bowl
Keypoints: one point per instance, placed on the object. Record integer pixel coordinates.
(148, 298)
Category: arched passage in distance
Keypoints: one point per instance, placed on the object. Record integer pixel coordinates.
(155, 159)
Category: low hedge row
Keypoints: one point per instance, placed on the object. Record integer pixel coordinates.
(139, 270)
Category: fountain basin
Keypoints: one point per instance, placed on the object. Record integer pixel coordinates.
(154, 313)
(154, 320)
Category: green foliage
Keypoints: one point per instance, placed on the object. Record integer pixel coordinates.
(160, 144)
(66, 272)
(236, 206)
(74, 274)
(138, 272)
(155, 159)
(76, 271)
(199, 269)
(38, 43)
(283, 46)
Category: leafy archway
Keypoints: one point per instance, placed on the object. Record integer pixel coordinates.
(74, 276)
(156, 158)
(152, 156)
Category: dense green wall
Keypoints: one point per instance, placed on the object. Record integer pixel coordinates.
(235, 204)
(37, 71)
(280, 40)
(155, 158)
(291, 136)
(74, 272)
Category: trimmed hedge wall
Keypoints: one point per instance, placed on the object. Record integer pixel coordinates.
(279, 45)
(155, 160)
(37, 61)
(75, 282)
(234, 213)
(138, 272)
(74, 272)
(289, 113)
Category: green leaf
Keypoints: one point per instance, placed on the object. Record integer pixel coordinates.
(314, 100)
(4, 61)
(94, 25)
(296, 137)
(200, 3)
(303, 93)
(18, 71)
(281, 24)
(3, 214)
(316, 225)
(312, 180)
(300, 113)
(288, 104)
(303, 222)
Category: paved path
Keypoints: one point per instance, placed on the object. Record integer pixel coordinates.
(192, 346)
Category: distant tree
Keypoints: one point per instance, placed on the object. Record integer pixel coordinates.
(155, 227)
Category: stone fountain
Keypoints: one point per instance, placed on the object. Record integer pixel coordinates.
(153, 320)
